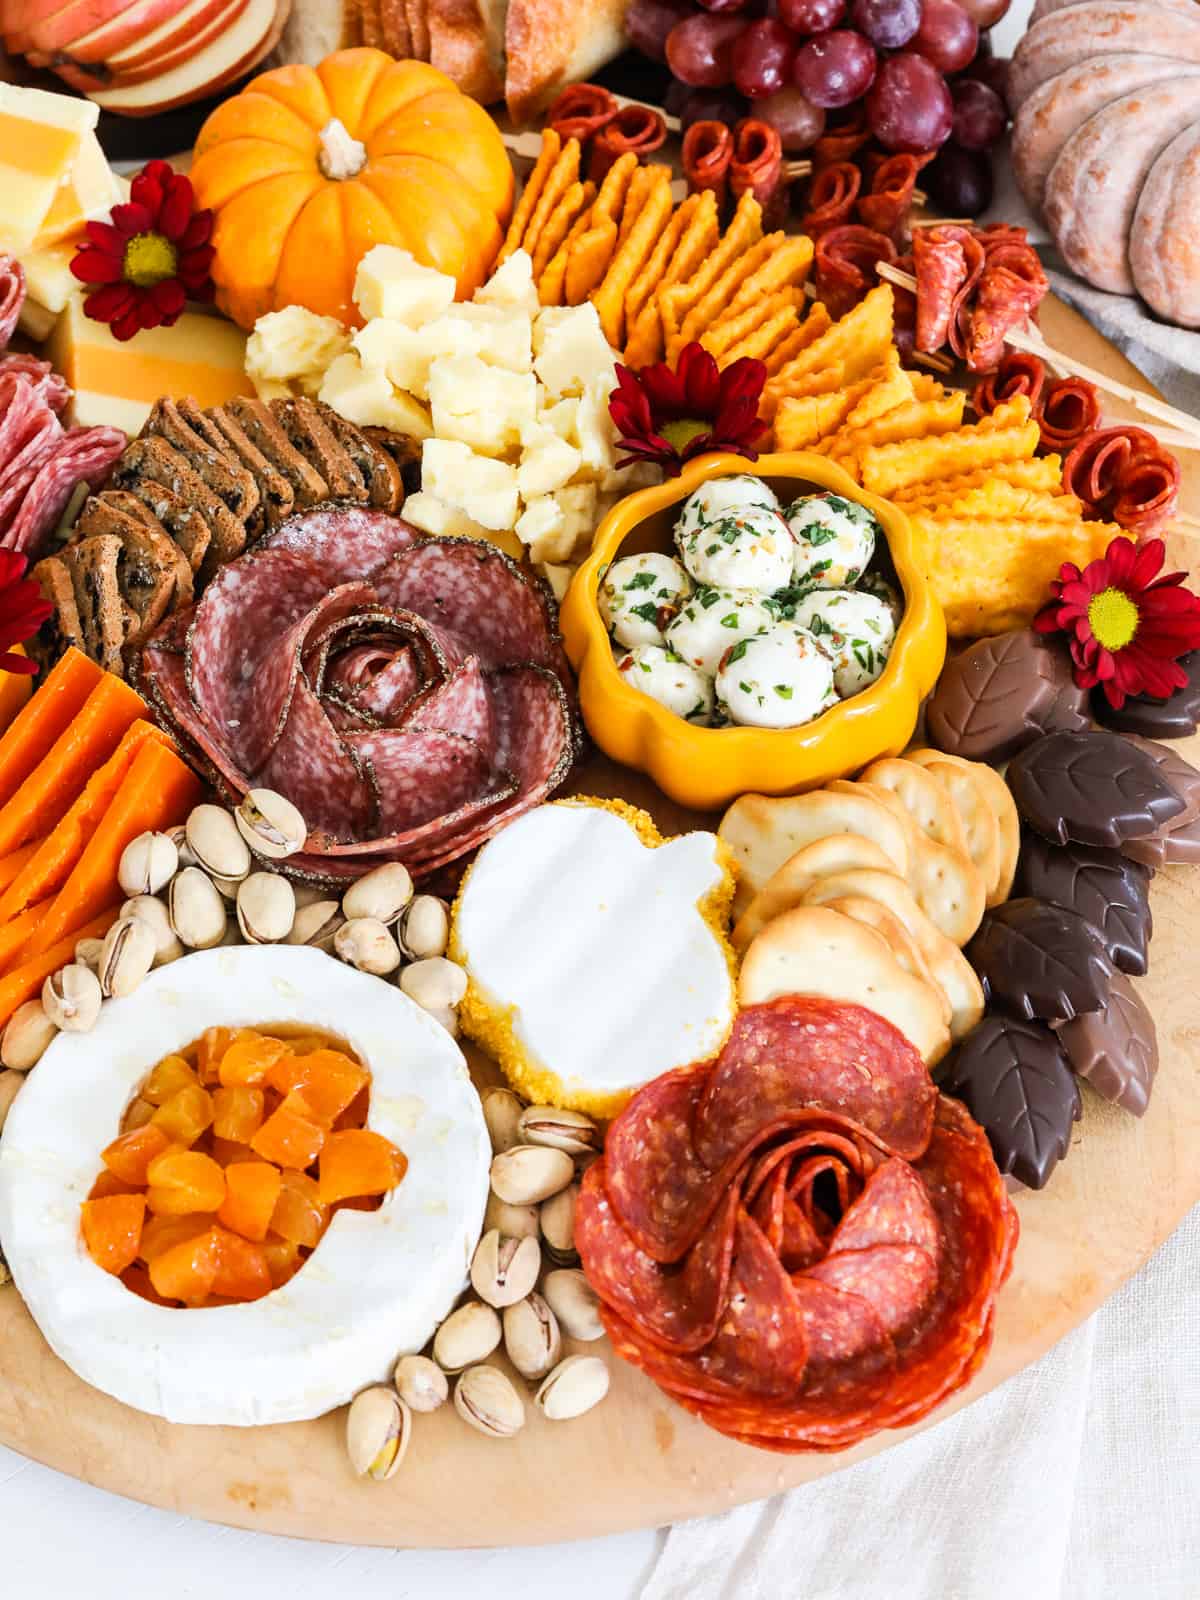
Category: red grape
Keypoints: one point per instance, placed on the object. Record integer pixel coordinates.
(799, 122)
(648, 23)
(947, 36)
(700, 50)
(959, 181)
(909, 106)
(725, 7)
(985, 13)
(762, 57)
(979, 115)
(835, 68)
(709, 105)
(811, 16)
(890, 24)
(993, 73)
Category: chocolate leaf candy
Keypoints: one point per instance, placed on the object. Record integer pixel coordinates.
(1014, 1079)
(999, 694)
(1103, 886)
(1040, 961)
(1179, 839)
(1180, 847)
(1173, 718)
(1093, 787)
(1116, 1049)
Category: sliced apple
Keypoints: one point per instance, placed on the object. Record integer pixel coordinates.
(226, 58)
(161, 43)
(89, 29)
(191, 44)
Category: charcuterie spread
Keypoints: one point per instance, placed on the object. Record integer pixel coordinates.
(380, 491)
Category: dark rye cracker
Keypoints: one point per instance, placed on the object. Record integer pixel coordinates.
(312, 436)
(154, 459)
(177, 423)
(93, 566)
(380, 473)
(263, 428)
(276, 495)
(182, 521)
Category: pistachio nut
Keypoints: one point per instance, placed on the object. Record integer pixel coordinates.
(10, 1083)
(196, 910)
(485, 1398)
(447, 1016)
(270, 824)
(378, 1428)
(519, 1222)
(227, 888)
(316, 924)
(381, 893)
(148, 908)
(71, 998)
(127, 956)
(424, 928)
(178, 837)
(421, 1383)
(365, 943)
(575, 1386)
(529, 1172)
(307, 894)
(468, 1335)
(218, 847)
(557, 1220)
(87, 951)
(148, 863)
(26, 1034)
(532, 1338)
(502, 1112)
(560, 1130)
(574, 1302)
(504, 1270)
(232, 934)
(266, 908)
(435, 983)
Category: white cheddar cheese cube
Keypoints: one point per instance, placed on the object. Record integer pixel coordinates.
(542, 526)
(431, 515)
(546, 465)
(391, 283)
(578, 505)
(570, 349)
(402, 352)
(594, 430)
(512, 286)
(558, 577)
(366, 397)
(479, 405)
(562, 418)
(486, 490)
(495, 335)
(294, 346)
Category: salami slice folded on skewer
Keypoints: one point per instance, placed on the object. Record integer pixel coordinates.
(941, 270)
(843, 142)
(757, 168)
(1020, 372)
(581, 110)
(1012, 285)
(707, 154)
(889, 202)
(831, 198)
(640, 129)
(845, 263)
(1125, 475)
(1070, 407)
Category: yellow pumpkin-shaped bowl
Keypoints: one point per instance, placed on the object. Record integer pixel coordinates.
(707, 767)
(307, 168)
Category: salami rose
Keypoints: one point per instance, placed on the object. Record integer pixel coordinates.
(757, 166)
(1070, 408)
(707, 153)
(1020, 372)
(799, 1250)
(831, 197)
(639, 129)
(845, 261)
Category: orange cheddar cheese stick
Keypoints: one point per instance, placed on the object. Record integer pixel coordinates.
(84, 744)
(14, 862)
(157, 791)
(45, 872)
(34, 730)
(26, 980)
(15, 935)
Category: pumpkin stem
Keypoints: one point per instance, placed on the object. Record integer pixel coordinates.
(340, 156)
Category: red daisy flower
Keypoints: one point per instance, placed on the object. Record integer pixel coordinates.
(670, 416)
(1127, 626)
(151, 258)
(23, 609)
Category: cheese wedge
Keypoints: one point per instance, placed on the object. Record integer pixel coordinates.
(41, 135)
(92, 188)
(375, 1287)
(117, 384)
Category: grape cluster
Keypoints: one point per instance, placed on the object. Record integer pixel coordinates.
(923, 67)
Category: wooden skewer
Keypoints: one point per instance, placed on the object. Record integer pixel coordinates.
(796, 169)
(896, 275)
(941, 222)
(673, 123)
(919, 197)
(1181, 521)
(935, 363)
(1176, 439)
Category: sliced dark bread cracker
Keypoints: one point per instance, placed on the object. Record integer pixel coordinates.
(183, 522)
(404, 450)
(93, 565)
(148, 569)
(385, 486)
(276, 495)
(312, 436)
(64, 628)
(215, 463)
(261, 425)
(154, 459)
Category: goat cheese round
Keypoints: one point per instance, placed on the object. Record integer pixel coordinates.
(856, 630)
(747, 547)
(835, 539)
(638, 596)
(777, 680)
(719, 496)
(660, 673)
(376, 1286)
(713, 620)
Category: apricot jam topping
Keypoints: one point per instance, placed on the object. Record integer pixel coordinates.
(230, 1164)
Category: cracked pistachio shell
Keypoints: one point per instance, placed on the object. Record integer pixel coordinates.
(127, 956)
(10, 1083)
(381, 893)
(178, 837)
(26, 1035)
(574, 1302)
(485, 1398)
(468, 1335)
(266, 908)
(435, 983)
(575, 1386)
(218, 847)
(87, 951)
(502, 1112)
(560, 1130)
(532, 1338)
(148, 863)
(270, 824)
(365, 943)
(519, 1222)
(421, 1383)
(316, 924)
(557, 1221)
(148, 908)
(504, 1270)
(378, 1428)
(196, 909)
(424, 928)
(528, 1173)
(71, 998)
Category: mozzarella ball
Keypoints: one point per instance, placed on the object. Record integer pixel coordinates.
(719, 496)
(875, 583)
(673, 683)
(777, 680)
(750, 548)
(713, 620)
(835, 539)
(856, 629)
(638, 596)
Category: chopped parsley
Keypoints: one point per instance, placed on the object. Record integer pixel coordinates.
(648, 612)
(707, 597)
(817, 533)
(730, 619)
(736, 652)
(784, 691)
(642, 580)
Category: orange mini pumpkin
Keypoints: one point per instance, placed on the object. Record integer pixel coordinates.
(308, 168)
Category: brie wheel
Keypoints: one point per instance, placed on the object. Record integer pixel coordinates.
(375, 1287)
(595, 952)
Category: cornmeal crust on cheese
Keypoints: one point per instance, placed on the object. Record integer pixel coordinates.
(596, 952)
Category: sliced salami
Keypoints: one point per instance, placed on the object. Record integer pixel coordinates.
(49, 386)
(82, 455)
(326, 780)
(348, 540)
(419, 774)
(12, 296)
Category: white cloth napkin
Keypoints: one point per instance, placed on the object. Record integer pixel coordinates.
(1079, 1479)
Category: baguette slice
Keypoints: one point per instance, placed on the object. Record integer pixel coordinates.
(549, 43)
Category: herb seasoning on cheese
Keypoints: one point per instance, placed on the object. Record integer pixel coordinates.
(855, 629)
(835, 540)
(640, 595)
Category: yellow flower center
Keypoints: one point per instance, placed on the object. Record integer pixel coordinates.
(149, 258)
(1113, 618)
(680, 434)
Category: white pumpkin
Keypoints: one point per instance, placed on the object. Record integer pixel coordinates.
(375, 1287)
